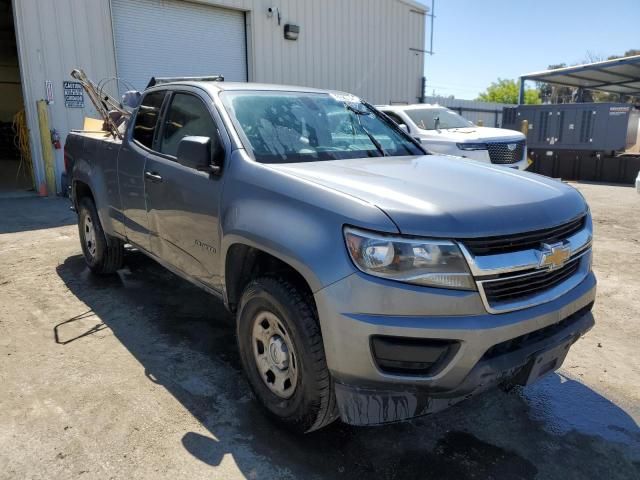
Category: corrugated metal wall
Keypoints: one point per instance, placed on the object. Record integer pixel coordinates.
(489, 113)
(53, 38)
(360, 46)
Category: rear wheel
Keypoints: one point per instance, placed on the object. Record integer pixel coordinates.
(103, 254)
(283, 355)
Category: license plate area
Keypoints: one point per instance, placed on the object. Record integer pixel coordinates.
(544, 363)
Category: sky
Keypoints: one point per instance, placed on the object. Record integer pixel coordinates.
(477, 41)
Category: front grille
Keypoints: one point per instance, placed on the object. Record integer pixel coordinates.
(501, 154)
(520, 287)
(523, 241)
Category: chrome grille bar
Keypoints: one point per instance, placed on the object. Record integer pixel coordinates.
(515, 280)
(489, 265)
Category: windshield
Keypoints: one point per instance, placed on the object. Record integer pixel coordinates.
(288, 127)
(425, 118)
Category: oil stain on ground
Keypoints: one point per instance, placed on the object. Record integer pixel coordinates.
(461, 455)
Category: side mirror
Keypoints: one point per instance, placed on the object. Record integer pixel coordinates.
(196, 152)
(403, 127)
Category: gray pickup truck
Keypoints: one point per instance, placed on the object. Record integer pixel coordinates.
(369, 280)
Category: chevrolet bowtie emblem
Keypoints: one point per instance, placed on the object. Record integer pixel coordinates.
(554, 256)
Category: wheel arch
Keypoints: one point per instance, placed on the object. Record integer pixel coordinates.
(80, 190)
(245, 261)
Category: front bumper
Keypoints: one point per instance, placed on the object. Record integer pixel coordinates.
(367, 395)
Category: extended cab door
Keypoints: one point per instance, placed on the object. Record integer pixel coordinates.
(183, 204)
(131, 162)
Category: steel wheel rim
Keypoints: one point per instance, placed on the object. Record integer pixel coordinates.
(89, 235)
(274, 355)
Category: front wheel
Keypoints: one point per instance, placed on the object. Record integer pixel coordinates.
(283, 355)
(103, 255)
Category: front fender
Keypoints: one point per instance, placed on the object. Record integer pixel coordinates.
(296, 221)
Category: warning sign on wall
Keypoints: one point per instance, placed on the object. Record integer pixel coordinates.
(73, 95)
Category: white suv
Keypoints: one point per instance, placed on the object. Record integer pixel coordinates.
(442, 131)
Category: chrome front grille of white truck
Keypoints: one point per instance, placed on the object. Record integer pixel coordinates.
(524, 278)
(504, 153)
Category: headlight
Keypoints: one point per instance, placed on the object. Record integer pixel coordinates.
(434, 263)
(472, 146)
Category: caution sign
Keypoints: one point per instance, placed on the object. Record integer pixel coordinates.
(73, 95)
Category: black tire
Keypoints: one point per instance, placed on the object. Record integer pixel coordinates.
(312, 404)
(103, 255)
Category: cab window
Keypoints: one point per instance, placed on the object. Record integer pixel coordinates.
(187, 116)
(147, 117)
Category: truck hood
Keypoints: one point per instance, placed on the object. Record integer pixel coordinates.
(442, 196)
(473, 134)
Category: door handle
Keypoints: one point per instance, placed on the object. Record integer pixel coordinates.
(153, 176)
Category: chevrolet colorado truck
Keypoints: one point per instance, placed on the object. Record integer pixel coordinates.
(443, 131)
(370, 281)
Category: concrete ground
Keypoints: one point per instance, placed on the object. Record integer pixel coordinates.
(137, 376)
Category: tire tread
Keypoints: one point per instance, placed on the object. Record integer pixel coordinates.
(307, 321)
(112, 248)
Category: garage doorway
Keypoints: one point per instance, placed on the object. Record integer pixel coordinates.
(16, 168)
(175, 39)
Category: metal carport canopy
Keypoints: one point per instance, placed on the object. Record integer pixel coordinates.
(621, 75)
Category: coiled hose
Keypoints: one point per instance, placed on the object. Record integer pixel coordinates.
(21, 141)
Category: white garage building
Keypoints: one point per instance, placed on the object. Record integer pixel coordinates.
(373, 48)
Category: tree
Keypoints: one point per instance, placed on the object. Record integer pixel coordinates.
(628, 53)
(507, 91)
(554, 93)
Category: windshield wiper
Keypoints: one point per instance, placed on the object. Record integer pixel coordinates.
(373, 139)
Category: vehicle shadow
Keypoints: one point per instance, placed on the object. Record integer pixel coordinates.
(184, 339)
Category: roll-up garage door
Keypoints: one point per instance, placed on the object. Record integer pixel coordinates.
(170, 38)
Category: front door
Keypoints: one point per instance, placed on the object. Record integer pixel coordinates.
(131, 162)
(183, 203)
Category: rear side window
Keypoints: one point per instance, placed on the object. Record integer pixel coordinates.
(147, 118)
(187, 116)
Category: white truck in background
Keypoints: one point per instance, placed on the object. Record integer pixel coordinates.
(443, 131)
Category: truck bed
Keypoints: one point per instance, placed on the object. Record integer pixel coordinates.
(97, 135)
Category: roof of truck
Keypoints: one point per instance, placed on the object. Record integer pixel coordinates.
(215, 86)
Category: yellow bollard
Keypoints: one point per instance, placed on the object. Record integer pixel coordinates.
(524, 128)
(47, 150)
